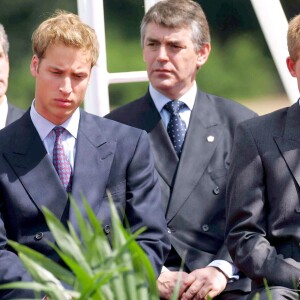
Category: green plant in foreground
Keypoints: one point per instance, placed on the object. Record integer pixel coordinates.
(96, 269)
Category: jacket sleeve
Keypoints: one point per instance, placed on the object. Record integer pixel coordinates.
(247, 215)
(144, 207)
(11, 268)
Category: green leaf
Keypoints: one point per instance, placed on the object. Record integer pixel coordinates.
(268, 292)
(64, 240)
(53, 267)
(97, 269)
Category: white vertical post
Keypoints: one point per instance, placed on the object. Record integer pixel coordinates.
(97, 97)
(274, 25)
(149, 3)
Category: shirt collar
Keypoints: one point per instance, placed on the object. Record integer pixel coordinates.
(160, 100)
(4, 102)
(3, 112)
(44, 127)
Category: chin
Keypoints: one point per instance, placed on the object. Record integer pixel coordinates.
(163, 85)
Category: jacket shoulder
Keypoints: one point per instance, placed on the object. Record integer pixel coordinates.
(112, 128)
(231, 108)
(131, 113)
(13, 114)
(272, 121)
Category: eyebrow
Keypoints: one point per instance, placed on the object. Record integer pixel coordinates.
(150, 39)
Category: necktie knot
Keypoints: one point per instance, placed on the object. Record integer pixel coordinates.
(58, 130)
(174, 106)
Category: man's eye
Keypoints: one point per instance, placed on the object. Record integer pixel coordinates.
(79, 76)
(152, 44)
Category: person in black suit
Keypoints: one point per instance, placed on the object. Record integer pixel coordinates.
(263, 194)
(8, 112)
(176, 44)
(98, 155)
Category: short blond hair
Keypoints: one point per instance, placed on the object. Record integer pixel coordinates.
(293, 37)
(65, 27)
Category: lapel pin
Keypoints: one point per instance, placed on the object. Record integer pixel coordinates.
(210, 138)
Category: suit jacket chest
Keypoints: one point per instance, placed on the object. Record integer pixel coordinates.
(180, 177)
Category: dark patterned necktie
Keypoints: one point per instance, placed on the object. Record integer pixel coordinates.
(176, 127)
(60, 161)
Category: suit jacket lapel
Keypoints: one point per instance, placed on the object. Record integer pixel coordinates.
(289, 143)
(94, 156)
(166, 159)
(197, 151)
(33, 166)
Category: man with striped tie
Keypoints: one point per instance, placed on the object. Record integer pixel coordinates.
(56, 149)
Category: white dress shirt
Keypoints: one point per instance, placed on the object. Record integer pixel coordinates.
(189, 99)
(3, 112)
(69, 137)
(161, 100)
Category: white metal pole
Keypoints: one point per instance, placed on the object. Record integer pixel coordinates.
(97, 97)
(149, 3)
(274, 25)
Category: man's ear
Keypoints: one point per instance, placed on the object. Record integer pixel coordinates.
(203, 54)
(291, 66)
(34, 65)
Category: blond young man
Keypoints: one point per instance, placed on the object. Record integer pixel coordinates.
(98, 155)
(263, 194)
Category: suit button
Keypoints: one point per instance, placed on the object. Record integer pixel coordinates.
(38, 236)
(169, 231)
(297, 210)
(205, 227)
(210, 138)
(216, 190)
(107, 229)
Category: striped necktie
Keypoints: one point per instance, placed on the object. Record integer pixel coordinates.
(60, 161)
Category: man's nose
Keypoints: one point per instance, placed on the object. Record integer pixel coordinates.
(162, 54)
(66, 86)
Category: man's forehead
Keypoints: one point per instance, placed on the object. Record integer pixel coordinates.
(162, 27)
(157, 32)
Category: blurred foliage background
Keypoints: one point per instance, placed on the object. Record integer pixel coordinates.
(240, 66)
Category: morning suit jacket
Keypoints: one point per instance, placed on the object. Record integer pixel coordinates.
(263, 198)
(13, 114)
(193, 189)
(109, 156)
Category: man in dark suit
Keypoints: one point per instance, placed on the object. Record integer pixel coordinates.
(13, 113)
(8, 112)
(98, 155)
(263, 194)
(176, 43)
